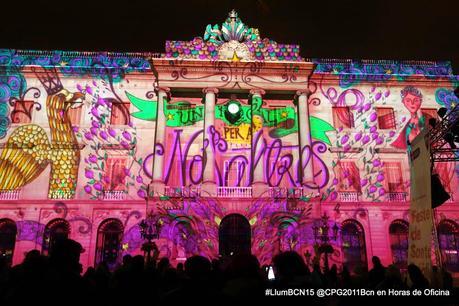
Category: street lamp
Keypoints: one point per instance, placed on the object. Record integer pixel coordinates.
(321, 235)
(150, 227)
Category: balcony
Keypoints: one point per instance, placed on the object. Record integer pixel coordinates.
(114, 195)
(284, 192)
(10, 194)
(234, 192)
(396, 196)
(348, 196)
(182, 192)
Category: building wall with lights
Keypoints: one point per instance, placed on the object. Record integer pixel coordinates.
(237, 143)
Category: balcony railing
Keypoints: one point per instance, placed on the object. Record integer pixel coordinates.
(10, 194)
(396, 196)
(234, 192)
(284, 192)
(182, 192)
(115, 195)
(349, 196)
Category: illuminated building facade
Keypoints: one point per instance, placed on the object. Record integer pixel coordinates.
(237, 142)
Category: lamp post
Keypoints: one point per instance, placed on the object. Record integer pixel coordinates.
(150, 228)
(321, 236)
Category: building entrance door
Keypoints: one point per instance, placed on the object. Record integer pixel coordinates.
(234, 235)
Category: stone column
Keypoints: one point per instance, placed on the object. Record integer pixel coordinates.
(304, 135)
(160, 139)
(208, 179)
(258, 183)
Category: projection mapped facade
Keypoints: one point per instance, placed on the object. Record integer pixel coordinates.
(236, 141)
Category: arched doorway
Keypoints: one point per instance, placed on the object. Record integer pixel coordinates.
(109, 236)
(234, 235)
(354, 249)
(448, 239)
(398, 233)
(55, 230)
(8, 231)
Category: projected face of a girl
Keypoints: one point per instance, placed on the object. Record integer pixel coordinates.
(412, 102)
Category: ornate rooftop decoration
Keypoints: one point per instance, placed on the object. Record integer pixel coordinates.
(234, 41)
(232, 29)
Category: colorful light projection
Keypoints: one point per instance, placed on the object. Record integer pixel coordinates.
(232, 41)
(352, 72)
(28, 150)
(108, 66)
(101, 137)
(181, 114)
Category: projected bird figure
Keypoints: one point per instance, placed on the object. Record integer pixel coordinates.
(28, 150)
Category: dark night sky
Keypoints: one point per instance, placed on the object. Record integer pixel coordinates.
(422, 29)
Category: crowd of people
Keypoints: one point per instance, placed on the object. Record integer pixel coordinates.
(58, 278)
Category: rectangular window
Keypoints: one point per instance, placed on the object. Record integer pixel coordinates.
(232, 174)
(349, 176)
(386, 118)
(175, 174)
(115, 172)
(342, 117)
(429, 113)
(120, 114)
(192, 172)
(279, 177)
(22, 112)
(75, 115)
(393, 176)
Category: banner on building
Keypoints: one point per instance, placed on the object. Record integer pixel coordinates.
(420, 231)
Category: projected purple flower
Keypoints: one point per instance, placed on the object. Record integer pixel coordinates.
(380, 177)
(372, 189)
(111, 132)
(127, 136)
(89, 174)
(363, 182)
(98, 186)
(92, 158)
(88, 136)
(103, 135)
(365, 139)
(373, 117)
(141, 193)
(95, 112)
(358, 136)
(87, 189)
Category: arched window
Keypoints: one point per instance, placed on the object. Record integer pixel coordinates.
(55, 230)
(8, 232)
(353, 244)
(398, 233)
(448, 239)
(109, 236)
